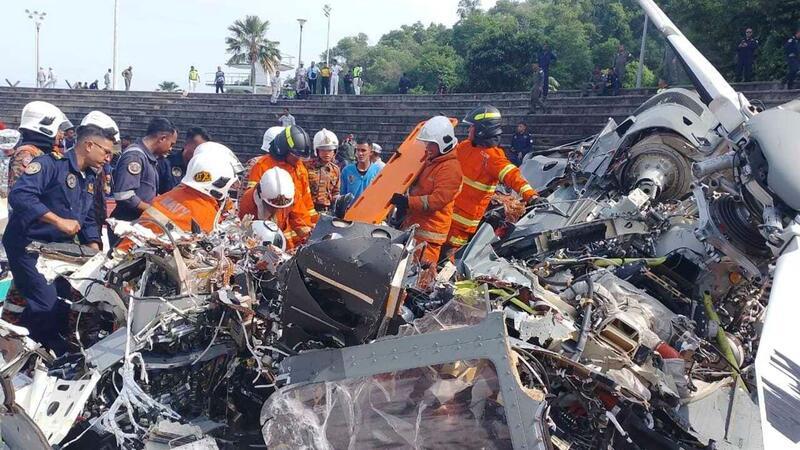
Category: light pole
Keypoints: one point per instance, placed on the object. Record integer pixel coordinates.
(38, 18)
(327, 11)
(641, 55)
(114, 57)
(300, 50)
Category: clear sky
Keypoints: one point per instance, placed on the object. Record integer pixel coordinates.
(162, 38)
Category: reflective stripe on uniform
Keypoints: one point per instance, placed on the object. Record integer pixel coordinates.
(424, 200)
(12, 308)
(488, 115)
(465, 221)
(455, 240)
(525, 189)
(478, 185)
(431, 235)
(313, 212)
(506, 169)
(288, 133)
(124, 195)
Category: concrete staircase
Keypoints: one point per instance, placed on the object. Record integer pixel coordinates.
(239, 120)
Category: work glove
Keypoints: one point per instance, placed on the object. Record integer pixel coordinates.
(537, 201)
(400, 201)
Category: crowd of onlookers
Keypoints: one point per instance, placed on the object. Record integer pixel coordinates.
(609, 80)
(49, 80)
(324, 79)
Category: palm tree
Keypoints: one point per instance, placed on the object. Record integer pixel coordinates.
(248, 43)
(167, 86)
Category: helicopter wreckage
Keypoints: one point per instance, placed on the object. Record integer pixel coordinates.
(644, 304)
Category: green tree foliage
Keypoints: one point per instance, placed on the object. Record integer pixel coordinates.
(248, 44)
(492, 50)
(167, 86)
(351, 48)
(467, 7)
(716, 27)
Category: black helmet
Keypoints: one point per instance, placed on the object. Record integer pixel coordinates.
(292, 140)
(486, 120)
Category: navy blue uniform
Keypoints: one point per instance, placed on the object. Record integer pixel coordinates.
(135, 181)
(745, 57)
(546, 58)
(521, 145)
(170, 172)
(791, 49)
(50, 183)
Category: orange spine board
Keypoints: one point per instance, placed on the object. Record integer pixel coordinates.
(399, 174)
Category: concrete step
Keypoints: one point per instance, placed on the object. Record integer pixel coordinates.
(76, 108)
(753, 86)
(497, 96)
(450, 106)
(544, 124)
(240, 120)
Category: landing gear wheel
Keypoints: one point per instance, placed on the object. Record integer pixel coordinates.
(658, 167)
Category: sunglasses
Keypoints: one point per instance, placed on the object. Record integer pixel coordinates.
(106, 150)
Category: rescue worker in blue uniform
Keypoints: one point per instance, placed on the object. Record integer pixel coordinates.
(53, 201)
(746, 56)
(172, 168)
(791, 49)
(545, 58)
(136, 175)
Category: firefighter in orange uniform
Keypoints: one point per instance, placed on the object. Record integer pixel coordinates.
(271, 200)
(287, 151)
(484, 165)
(203, 191)
(429, 203)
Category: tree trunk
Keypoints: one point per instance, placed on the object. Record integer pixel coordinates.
(253, 75)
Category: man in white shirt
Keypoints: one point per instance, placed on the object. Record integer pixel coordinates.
(107, 80)
(335, 77)
(41, 78)
(357, 82)
(286, 120)
(51, 78)
(276, 87)
(375, 156)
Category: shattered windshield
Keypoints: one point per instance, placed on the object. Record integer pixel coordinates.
(450, 405)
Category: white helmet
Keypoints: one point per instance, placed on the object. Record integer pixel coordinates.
(211, 172)
(101, 120)
(269, 135)
(268, 233)
(238, 167)
(276, 188)
(325, 140)
(8, 139)
(377, 148)
(42, 117)
(439, 130)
